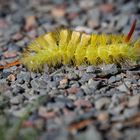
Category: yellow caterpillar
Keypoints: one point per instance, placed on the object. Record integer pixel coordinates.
(72, 47)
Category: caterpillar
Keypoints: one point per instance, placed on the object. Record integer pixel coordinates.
(66, 46)
(72, 47)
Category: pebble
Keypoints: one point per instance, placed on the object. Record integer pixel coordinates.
(36, 84)
(58, 12)
(16, 100)
(9, 54)
(109, 69)
(73, 90)
(72, 76)
(42, 112)
(122, 21)
(23, 77)
(103, 116)
(63, 83)
(90, 69)
(122, 88)
(81, 102)
(87, 5)
(134, 101)
(3, 24)
(17, 36)
(106, 8)
(94, 84)
(11, 78)
(112, 79)
(3, 86)
(102, 103)
(30, 23)
(93, 134)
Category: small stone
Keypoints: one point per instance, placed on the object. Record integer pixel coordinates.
(42, 112)
(18, 89)
(122, 21)
(17, 36)
(103, 116)
(106, 8)
(32, 33)
(83, 29)
(72, 76)
(9, 54)
(128, 83)
(3, 86)
(102, 103)
(72, 97)
(134, 101)
(122, 88)
(72, 15)
(30, 23)
(93, 84)
(23, 77)
(58, 12)
(112, 79)
(85, 78)
(93, 23)
(87, 4)
(109, 69)
(92, 134)
(3, 24)
(130, 112)
(11, 78)
(38, 84)
(6, 73)
(63, 83)
(82, 103)
(15, 101)
(86, 89)
(90, 69)
(73, 90)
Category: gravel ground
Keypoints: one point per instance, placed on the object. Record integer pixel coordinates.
(68, 103)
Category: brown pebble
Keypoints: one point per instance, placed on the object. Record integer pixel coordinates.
(17, 36)
(93, 24)
(81, 102)
(103, 116)
(58, 12)
(106, 8)
(9, 54)
(134, 101)
(11, 78)
(63, 81)
(73, 90)
(72, 16)
(3, 24)
(30, 23)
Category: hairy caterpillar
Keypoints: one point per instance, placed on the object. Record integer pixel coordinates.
(72, 47)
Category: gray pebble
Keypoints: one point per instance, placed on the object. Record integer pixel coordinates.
(112, 79)
(109, 69)
(23, 77)
(122, 88)
(102, 103)
(90, 69)
(16, 100)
